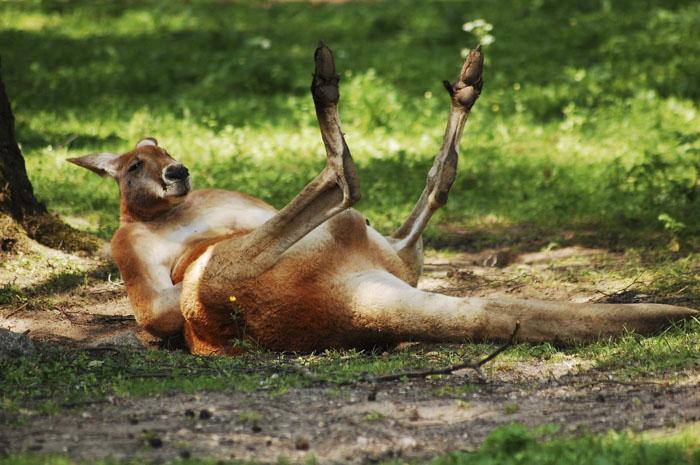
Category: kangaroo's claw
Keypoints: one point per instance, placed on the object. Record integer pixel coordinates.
(467, 89)
(324, 86)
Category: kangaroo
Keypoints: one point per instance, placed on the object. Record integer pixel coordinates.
(229, 269)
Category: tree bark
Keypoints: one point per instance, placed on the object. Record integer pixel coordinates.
(16, 194)
(21, 214)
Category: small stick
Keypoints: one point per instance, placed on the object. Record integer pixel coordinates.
(17, 310)
(113, 318)
(637, 280)
(476, 366)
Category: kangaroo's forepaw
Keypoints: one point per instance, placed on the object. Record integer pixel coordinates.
(324, 86)
(466, 90)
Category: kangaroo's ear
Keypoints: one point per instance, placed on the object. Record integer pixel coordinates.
(104, 164)
(147, 141)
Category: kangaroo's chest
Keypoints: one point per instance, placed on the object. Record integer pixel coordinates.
(195, 234)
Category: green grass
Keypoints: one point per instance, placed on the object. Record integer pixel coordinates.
(588, 118)
(10, 293)
(55, 378)
(373, 415)
(675, 349)
(512, 445)
(518, 445)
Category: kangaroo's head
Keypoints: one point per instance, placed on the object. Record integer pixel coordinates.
(151, 182)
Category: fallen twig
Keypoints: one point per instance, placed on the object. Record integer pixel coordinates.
(375, 380)
(476, 366)
(65, 314)
(620, 291)
(17, 310)
(113, 318)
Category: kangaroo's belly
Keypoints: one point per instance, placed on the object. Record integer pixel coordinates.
(297, 305)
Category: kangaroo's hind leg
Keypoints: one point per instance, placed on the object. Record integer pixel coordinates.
(335, 189)
(406, 240)
(210, 281)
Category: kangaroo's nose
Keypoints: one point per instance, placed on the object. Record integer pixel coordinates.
(175, 173)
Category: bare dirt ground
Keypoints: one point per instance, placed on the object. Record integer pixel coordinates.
(406, 419)
(349, 424)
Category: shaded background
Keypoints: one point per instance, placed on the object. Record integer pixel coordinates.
(588, 120)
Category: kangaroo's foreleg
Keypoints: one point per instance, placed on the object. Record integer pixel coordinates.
(464, 92)
(331, 192)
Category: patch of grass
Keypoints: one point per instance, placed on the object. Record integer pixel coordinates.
(517, 445)
(511, 408)
(586, 119)
(676, 349)
(62, 281)
(340, 367)
(373, 415)
(249, 416)
(10, 293)
(56, 378)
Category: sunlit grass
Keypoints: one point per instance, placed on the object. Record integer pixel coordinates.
(584, 121)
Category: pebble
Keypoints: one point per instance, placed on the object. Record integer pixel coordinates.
(155, 442)
(407, 442)
(301, 443)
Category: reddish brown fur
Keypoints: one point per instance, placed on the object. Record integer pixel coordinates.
(302, 302)
(230, 269)
(151, 259)
(193, 251)
(139, 206)
(295, 306)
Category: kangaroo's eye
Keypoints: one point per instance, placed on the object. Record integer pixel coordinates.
(134, 166)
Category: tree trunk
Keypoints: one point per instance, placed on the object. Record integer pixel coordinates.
(16, 194)
(21, 214)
